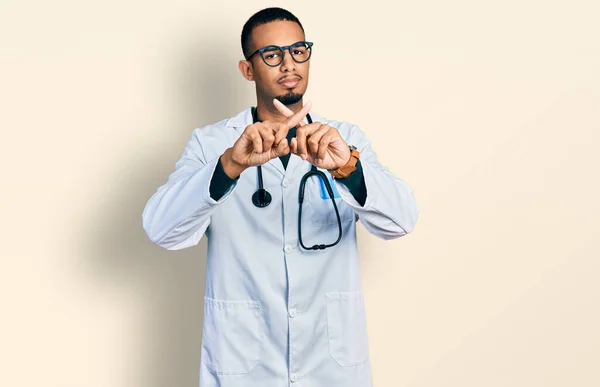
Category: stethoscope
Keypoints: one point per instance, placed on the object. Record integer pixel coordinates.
(262, 197)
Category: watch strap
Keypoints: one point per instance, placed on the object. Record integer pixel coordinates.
(345, 170)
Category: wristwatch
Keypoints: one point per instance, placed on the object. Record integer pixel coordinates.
(345, 171)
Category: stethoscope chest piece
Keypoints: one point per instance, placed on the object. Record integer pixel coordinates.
(261, 198)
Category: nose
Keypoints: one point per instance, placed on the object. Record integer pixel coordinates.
(288, 64)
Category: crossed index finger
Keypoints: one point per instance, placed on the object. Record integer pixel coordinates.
(294, 119)
(286, 111)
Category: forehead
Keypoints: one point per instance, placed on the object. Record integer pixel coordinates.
(279, 33)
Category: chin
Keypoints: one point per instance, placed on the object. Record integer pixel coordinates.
(290, 98)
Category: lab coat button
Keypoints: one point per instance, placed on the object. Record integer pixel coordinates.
(294, 377)
(286, 183)
(288, 248)
(293, 312)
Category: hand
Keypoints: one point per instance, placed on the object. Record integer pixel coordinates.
(261, 142)
(320, 144)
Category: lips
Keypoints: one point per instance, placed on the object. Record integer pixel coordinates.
(289, 81)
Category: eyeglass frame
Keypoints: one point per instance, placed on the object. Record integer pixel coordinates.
(283, 50)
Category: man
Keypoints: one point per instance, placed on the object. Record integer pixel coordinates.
(283, 302)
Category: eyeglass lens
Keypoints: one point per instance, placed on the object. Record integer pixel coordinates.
(273, 55)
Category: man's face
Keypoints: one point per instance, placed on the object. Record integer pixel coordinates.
(270, 81)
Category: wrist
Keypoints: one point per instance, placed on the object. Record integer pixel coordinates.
(344, 163)
(349, 167)
(232, 168)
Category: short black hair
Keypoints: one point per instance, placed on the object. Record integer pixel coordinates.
(264, 16)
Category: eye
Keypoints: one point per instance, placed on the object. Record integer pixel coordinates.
(270, 54)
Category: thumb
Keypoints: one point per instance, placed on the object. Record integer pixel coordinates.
(294, 145)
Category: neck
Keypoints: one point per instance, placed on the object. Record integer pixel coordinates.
(268, 112)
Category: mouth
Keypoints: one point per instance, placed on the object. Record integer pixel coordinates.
(289, 82)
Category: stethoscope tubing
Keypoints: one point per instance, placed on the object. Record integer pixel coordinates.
(262, 198)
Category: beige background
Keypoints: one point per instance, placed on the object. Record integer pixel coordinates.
(489, 110)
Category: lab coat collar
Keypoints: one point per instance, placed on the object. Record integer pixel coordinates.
(244, 118)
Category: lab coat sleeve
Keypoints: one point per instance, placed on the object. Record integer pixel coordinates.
(390, 210)
(178, 213)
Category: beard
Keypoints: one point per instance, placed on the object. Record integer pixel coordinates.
(289, 98)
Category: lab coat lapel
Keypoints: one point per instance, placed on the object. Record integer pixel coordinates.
(294, 162)
(276, 163)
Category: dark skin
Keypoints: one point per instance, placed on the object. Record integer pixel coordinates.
(318, 143)
(280, 33)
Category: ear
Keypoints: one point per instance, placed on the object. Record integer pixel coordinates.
(246, 69)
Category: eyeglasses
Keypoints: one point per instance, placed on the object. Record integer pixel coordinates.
(273, 55)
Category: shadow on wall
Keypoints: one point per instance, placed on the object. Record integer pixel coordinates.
(166, 286)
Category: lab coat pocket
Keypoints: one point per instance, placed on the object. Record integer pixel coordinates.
(232, 335)
(347, 328)
(321, 207)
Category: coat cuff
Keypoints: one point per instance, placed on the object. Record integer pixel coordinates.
(220, 182)
(356, 184)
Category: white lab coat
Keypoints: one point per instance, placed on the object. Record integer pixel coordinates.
(275, 314)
